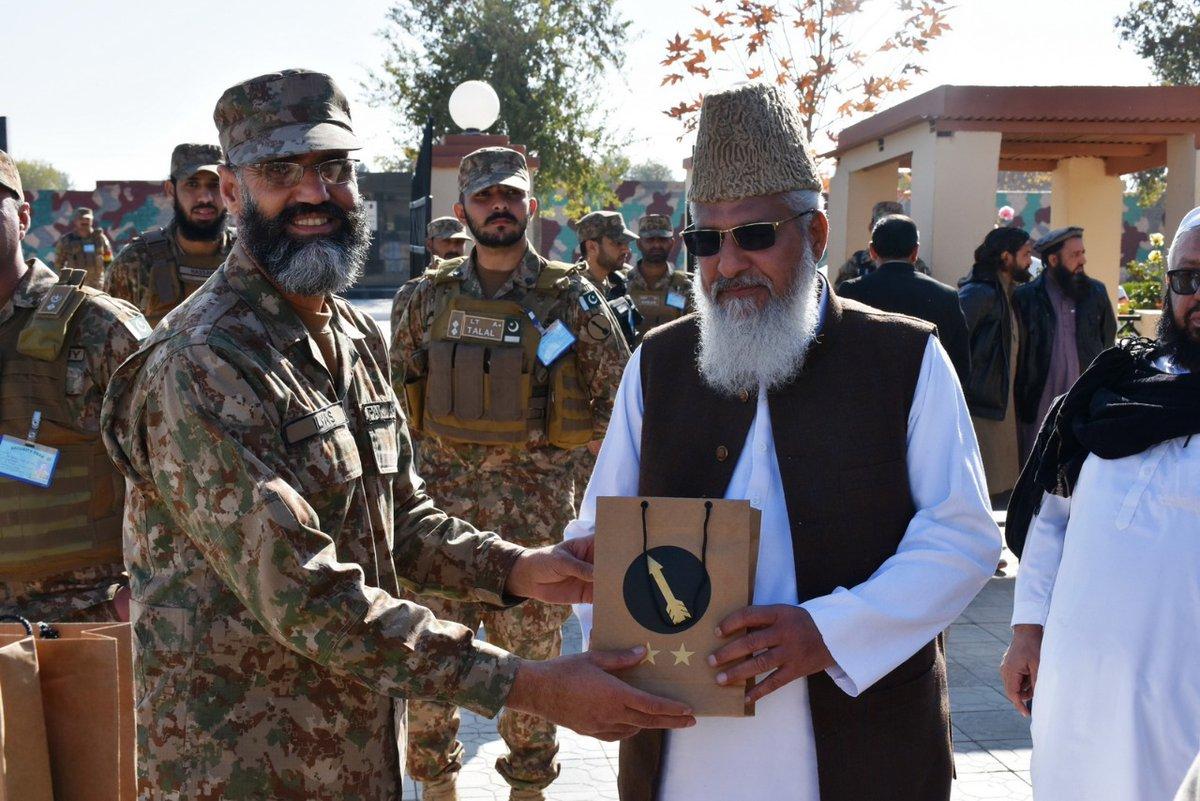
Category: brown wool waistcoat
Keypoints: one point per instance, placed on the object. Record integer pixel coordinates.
(841, 431)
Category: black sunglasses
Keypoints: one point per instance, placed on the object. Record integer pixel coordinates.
(1184, 282)
(703, 242)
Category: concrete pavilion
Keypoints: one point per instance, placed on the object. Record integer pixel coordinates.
(956, 138)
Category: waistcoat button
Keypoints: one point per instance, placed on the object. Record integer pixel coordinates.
(722, 453)
(743, 396)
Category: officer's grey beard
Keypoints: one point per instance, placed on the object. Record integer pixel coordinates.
(311, 267)
(742, 346)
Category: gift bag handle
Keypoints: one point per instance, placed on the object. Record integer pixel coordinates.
(708, 507)
(45, 630)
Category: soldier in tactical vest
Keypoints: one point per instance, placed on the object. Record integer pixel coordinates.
(445, 238)
(660, 293)
(509, 363)
(60, 497)
(84, 247)
(162, 266)
(604, 251)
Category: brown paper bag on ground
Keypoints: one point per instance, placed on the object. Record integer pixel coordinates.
(661, 586)
(86, 682)
(24, 756)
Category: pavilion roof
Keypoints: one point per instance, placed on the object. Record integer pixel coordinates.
(1127, 126)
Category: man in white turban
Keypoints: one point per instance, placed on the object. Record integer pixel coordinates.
(1106, 517)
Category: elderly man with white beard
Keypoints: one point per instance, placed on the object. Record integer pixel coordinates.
(875, 525)
(1106, 613)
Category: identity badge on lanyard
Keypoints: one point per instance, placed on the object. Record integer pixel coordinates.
(554, 343)
(25, 460)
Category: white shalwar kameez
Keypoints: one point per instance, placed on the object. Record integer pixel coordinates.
(1114, 575)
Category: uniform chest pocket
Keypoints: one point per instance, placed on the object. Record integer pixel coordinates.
(322, 449)
(379, 420)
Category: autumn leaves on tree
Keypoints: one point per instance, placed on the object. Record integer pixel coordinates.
(838, 57)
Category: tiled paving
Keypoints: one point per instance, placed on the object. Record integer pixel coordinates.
(991, 741)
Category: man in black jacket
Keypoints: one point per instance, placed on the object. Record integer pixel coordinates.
(1001, 263)
(896, 286)
(1066, 320)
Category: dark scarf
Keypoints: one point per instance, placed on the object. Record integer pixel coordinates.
(1121, 405)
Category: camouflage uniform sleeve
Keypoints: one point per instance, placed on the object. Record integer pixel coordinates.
(110, 334)
(105, 247)
(58, 253)
(121, 277)
(600, 352)
(210, 446)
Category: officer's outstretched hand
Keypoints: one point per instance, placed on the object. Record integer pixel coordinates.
(577, 692)
(557, 574)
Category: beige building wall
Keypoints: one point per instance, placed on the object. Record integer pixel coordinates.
(1183, 181)
(954, 198)
(1083, 194)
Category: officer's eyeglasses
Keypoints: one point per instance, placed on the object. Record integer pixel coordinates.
(1184, 282)
(286, 174)
(703, 242)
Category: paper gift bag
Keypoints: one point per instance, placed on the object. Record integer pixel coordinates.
(85, 679)
(667, 571)
(24, 757)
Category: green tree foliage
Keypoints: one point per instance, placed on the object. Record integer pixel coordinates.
(1167, 34)
(38, 174)
(546, 59)
(650, 171)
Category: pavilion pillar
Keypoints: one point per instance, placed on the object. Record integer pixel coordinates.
(852, 194)
(954, 197)
(1183, 181)
(1083, 194)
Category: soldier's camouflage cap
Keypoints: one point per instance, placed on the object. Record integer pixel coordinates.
(189, 159)
(81, 212)
(280, 114)
(492, 166)
(885, 208)
(604, 223)
(1053, 241)
(446, 228)
(9, 177)
(655, 225)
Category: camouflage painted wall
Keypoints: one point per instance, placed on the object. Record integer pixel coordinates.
(125, 207)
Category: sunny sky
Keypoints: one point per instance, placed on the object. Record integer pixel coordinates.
(106, 90)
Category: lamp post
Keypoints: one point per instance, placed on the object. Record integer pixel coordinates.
(474, 106)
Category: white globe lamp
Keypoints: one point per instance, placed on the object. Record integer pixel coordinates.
(474, 106)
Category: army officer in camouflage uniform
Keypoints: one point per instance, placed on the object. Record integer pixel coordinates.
(661, 293)
(161, 267)
(60, 531)
(510, 364)
(84, 247)
(274, 513)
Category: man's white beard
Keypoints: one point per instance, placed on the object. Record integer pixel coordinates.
(742, 346)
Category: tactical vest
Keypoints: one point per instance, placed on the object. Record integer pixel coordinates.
(75, 257)
(170, 281)
(76, 522)
(484, 383)
(653, 303)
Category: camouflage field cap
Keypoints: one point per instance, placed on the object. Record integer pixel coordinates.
(9, 177)
(655, 225)
(81, 212)
(492, 166)
(446, 228)
(189, 159)
(286, 113)
(604, 223)
(750, 142)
